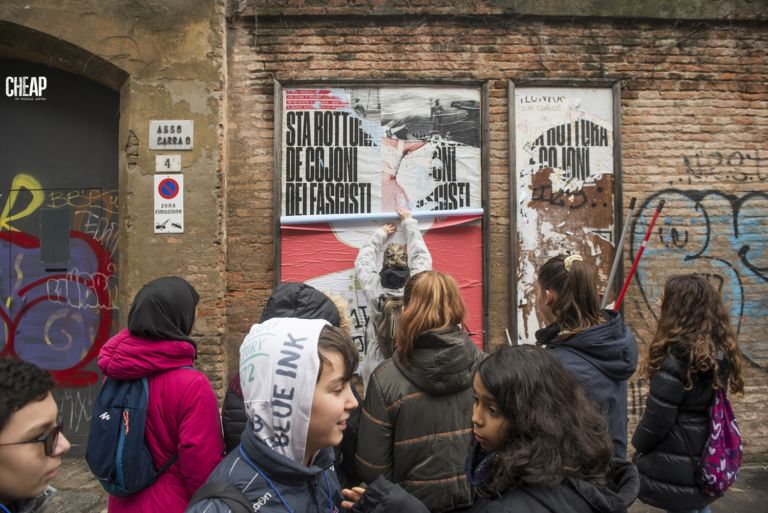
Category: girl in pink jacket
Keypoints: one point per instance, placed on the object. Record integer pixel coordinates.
(183, 415)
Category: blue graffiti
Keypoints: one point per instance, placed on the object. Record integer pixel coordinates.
(721, 236)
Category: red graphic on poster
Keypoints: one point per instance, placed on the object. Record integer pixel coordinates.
(317, 254)
(314, 99)
(350, 157)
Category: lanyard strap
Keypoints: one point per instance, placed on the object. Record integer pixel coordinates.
(328, 486)
(274, 488)
(5, 510)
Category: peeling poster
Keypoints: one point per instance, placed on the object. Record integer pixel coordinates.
(564, 185)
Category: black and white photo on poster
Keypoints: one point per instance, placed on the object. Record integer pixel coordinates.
(368, 150)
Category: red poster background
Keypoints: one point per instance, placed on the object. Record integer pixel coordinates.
(312, 250)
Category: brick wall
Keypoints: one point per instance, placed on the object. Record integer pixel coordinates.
(694, 114)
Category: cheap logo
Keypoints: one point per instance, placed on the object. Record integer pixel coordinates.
(25, 88)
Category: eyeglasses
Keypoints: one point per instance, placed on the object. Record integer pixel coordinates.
(49, 441)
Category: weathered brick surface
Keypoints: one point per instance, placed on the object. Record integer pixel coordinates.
(694, 115)
(694, 105)
(562, 8)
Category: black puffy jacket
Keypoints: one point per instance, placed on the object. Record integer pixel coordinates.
(233, 417)
(570, 496)
(670, 438)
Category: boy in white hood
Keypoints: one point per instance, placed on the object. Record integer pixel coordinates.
(295, 375)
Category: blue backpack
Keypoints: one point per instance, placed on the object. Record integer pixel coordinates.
(116, 452)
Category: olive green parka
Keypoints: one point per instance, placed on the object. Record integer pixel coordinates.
(416, 426)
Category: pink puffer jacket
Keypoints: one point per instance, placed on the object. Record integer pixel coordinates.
(182, 418)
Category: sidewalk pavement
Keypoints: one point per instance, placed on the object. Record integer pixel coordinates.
(79, 492)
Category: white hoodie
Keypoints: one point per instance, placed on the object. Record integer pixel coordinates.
(279, 366)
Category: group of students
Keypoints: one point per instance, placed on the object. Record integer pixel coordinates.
(442, 427)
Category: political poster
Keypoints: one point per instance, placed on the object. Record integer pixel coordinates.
(564, 161)
(350, 157)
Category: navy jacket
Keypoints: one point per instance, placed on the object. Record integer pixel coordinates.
(304, 489)
(601, 358)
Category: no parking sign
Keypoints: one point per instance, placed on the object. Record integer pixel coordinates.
(169, 203)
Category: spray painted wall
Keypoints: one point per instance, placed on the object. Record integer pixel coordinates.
(58, 229)
(718, 235)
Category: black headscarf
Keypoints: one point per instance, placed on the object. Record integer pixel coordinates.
(394, 278)
(164, 309)
(291, 299)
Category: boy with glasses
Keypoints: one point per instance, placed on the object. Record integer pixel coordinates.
(31, 440)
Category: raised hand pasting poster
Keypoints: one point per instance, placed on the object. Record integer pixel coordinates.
(564, 158)
(350, 157)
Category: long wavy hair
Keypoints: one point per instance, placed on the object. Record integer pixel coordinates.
(553, 430)
(431, 302)
(695, 328)
(577, 305)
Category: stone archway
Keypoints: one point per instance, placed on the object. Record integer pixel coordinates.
(59, 115)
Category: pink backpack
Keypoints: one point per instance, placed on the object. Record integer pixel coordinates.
(722, 454)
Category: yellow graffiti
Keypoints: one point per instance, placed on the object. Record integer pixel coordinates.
(19, 272)
(21, 181)
(19, 278)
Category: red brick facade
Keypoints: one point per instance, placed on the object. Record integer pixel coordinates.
(694, 102)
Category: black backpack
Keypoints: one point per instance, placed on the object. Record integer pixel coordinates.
(231, 495)
(387, 325)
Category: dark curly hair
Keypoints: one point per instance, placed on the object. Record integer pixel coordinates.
(694, 327)
(553, 432)
(20, 384)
